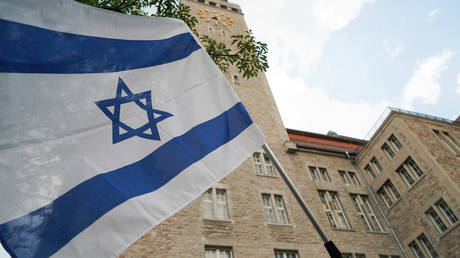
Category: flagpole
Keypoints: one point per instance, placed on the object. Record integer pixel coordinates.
(330, 246)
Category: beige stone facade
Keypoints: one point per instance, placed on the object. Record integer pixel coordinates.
(431, 186)
(234, 216)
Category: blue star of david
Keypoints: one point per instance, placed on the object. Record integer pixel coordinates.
(116, 102)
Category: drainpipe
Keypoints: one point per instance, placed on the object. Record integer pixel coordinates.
(378, 206)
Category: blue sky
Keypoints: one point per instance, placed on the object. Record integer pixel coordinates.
(335, 65)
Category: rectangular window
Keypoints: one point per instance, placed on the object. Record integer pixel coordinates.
(394, 141)
(263, 165)
(333, 210)
(447, 212)
(218, 252)
(383, 256)
(392, 189)
(365, 212)
(278, 217)
(212, 4)
(269, 166)
(286, 254)
(405, 176)
(413, 167)
(437, 221)
(385, 197)
(269, 214)
(236, 80)
(313, 173)
(427, 245)
(360, 255)
(390, 154)
(416, 250)
(281, 210)
(347, 255)
(354, 178)
(344, 177)
(257, 163)
(376, 164)
(324, 175)
(370, 172)
(448, 141)
(359, 209)
(215, 204)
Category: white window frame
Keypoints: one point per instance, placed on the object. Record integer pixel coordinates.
(370, 172)
(208, 251)
(392, 189)
(279, 213)
(333, 210)
(428, 246)
(447, 211)
(402, 171)
(448, 141)
(375, 162)
(416, 250)
(313, 173)
(286, 253)
(215, 204)
(324, 174)
(354, 178)
(388, 151)
(436, 220)
(344, 177)
(262, 164)
(413, 167)
(395, 142)
(367, 212)
(384, 195)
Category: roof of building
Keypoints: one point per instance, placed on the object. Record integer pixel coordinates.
(324, 142)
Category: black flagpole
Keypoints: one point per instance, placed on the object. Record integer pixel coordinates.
(330, 246)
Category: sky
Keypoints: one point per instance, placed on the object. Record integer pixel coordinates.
(336, 65)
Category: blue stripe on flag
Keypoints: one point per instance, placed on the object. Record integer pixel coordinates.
(30, 49)
(46, 230)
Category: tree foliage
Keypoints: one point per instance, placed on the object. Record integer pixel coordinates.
(248, 55)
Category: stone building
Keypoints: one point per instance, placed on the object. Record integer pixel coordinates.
(412, 162)
(251, 212)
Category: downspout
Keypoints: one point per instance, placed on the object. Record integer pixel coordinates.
(378, 205)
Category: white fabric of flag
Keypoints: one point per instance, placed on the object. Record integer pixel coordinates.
(109, 124)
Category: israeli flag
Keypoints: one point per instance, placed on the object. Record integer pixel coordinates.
(109, 124)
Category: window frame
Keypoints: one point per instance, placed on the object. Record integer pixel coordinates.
(388, 151)
(333, 209)
(323, 173)
(344, 177)
(429, 248)
(275, 209)
(448, 141)
(354, 178)
(263, 165)
(214, 203)
(370, 172)
(436, 220)
(395, 142)
(218, 250)
(282, 253)
(375, 162)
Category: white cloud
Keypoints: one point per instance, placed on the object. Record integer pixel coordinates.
(458, 81)
(424, 83)
(392, 52)
(310, 108)
(432, 14)
(295, 32)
